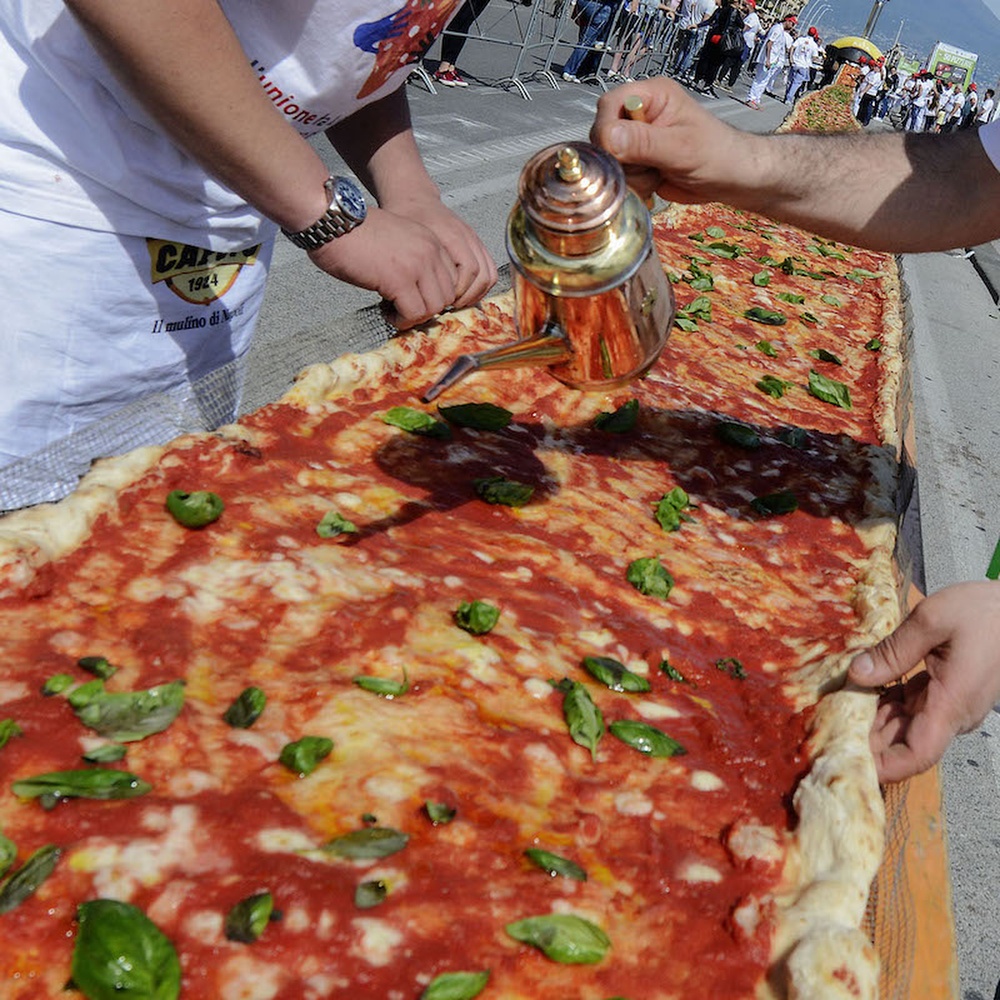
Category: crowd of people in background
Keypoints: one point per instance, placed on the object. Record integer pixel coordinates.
(708, 44)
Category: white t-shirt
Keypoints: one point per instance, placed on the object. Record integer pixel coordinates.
(871, 82)
(804, 50)
(985, 110)
(751, 28)
(77, 149)
(922, 93)
(780, 42)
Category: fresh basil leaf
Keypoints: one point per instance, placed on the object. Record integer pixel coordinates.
(476, 617)
(107, 753)
(859, 274)
(810, 318)
(8, 730)
(722, 249)
(831, 300)
(874, 344)
(788, 265)
(479, 416)
(246, 708)
(57, 684)
(716, 232)
(621, 421)
(98, 666)
(614, 675)
(333, 523)
(829, 390)
(194, 510)
(672, 672)
(740, 435)
(90, 783)
(119, 952)
(771, 504)
(766, 347)
(645, 738)
(416, 422)
(791, 297)
(670, 509)
(685, 324)
(246, 921)
(562, 937)
(303, 756)
(370, 894)
(84, 694)
(649, 576)
(508, 492)
(8, 854)
(439, 813)
(697, 237)
(821, 354)
(766, 316)
(730, 665)
(456, 986)
(826, 251)
(369, 819)
(555, 864)
(698, 308)
(762, 279)
(773, 386)
(128, 716)
(703, 282)
(368, 844)
(24, 882)
(583, 717)
(383, 686)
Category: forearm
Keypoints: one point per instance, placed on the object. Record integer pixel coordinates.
(377, 143)
(182, 61)
(899, 192)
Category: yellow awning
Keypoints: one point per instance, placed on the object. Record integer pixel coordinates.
(862, 46)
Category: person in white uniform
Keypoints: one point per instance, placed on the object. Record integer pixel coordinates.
(149, 155)
(773, 58)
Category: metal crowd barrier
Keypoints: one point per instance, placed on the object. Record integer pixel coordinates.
(512, 42)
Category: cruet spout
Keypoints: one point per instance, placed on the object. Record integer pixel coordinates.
(548, 348)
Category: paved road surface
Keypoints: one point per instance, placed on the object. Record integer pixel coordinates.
(476, 140)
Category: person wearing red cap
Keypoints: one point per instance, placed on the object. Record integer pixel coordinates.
(885, 191)
(802, 57)
(773, 58)
(867, 91)
(971, 107)
(920, 95)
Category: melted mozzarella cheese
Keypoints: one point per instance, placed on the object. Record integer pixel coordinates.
(706, 781)
(378, 940)
(698, 871)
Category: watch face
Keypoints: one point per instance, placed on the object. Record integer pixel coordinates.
(350, 199)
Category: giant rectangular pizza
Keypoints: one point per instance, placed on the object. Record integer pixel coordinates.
(531, 695)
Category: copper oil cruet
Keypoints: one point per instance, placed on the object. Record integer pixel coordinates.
(592, 302)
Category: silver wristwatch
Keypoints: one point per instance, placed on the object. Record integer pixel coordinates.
(346, 212)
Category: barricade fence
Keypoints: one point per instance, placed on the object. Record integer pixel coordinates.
(511, 43)
(508, 43)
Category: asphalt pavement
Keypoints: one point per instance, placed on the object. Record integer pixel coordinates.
(475, 140)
